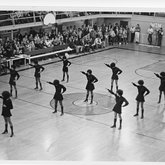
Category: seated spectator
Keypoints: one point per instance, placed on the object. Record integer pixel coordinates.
(71, 43)
(98, 43)
(78, 45)
(31, 37)
(56, 41)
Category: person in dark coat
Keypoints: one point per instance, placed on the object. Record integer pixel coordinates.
(91, 79)
(60, 89)
(66, 63)
(142, 92)
(160, 36)
(115, 72)
(14, 76)
(162, 84)
(6, 113)
(37, 75)
(118, 106)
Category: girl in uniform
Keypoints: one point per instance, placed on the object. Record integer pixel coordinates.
(37, 75)
(91, 79)
(6, 107)
(142, 92)
(115, 72)
(162, 84)
(60, 89)
(13, 77)
(66, 63)
(118, 106)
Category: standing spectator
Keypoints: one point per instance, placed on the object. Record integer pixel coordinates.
(120, 35)
(132, 30)
(106, 35)
(112, 36)
(128, 32)
(150, 32)
(137, 33)
(160, 35)
(125, 39)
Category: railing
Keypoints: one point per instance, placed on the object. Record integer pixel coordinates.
(9, 18)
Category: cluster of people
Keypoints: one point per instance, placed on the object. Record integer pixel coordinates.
(82, 39)
(121, 101)
(158, 32)
(29, 42)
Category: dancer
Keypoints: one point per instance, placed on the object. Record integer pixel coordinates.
(60, 89)
(14, 76)
(142, 92)
(162, 84)
(118, 106)
(115, 72)
(6, 107)
(90, 84)
(66, 63)
(37, 75)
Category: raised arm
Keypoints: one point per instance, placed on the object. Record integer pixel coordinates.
(108, 65)
(31, 65)
(111, 92)
(83, 72)
(50, 83)
(134, 84)
(59, 57)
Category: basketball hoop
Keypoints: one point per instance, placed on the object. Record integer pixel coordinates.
(49, 19)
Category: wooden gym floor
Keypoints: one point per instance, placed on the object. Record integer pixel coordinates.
(84, 133)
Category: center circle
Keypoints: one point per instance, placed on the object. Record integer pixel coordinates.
(73, 103)
(82, 103)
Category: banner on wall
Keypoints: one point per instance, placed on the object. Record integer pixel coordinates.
(156, 26)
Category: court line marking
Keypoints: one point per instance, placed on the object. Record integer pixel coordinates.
(143, 68)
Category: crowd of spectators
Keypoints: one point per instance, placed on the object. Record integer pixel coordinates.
(82, 39)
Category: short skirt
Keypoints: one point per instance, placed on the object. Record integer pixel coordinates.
(115, 77)
(90, 87)
(6, 113)
(12, 82)
(140, 98)
(117, 109)
(58, 97)
(65, 69)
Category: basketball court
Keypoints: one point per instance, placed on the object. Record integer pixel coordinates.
(83, 133)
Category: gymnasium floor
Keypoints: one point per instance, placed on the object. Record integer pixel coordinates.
(84, 133)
